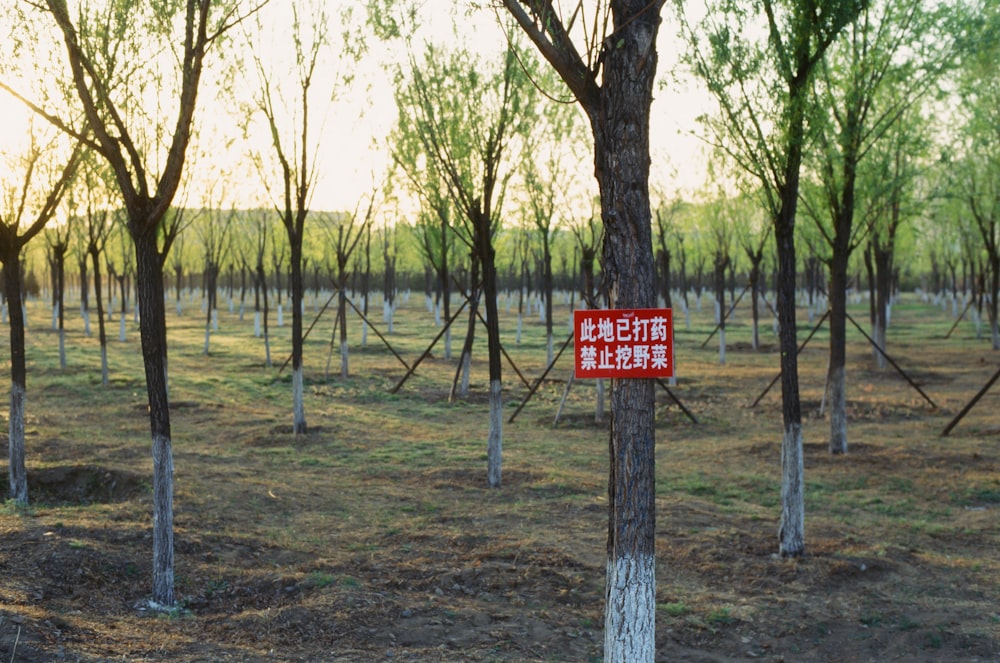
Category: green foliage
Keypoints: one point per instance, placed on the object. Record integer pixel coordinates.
(674, 609)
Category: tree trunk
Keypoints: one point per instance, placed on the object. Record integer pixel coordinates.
(837, 376)
(755, 260)
(994, 259)
(153, 332)
(791, 531)
(495, 440)
(298, 395)
(721, 262)
(17, 471)
(260, 314)
(547, 291)
(883, 294)
(101, 332)
(211, 275)
(620, 123)
(342, 318)
(460, 388)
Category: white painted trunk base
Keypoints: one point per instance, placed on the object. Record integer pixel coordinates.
(838, 411)
(105, 379)
(163, 522)
(16, 471)
(463, 385)
(494, 447)
(298, 403)
(791, 531)
(630, 610)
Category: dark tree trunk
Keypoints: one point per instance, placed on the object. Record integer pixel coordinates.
(95, 256)
(59, 278)
(17, 471)
(791, 533)
(620, 124)
(460, 387)
(342, 318)
(295, 282)
(153, 332)
(484, 247)
(756, 258)
(721, 262)
(843, 220)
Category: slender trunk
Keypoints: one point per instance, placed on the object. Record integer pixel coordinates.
(836, 378)
(101, 332)
(210, 277)
(460, 388)
(17, 471)
(298, 396)
(994, 259)
(883, 293)
(60, 279)
(153, 332)
(495, 440)
(721, 262)
(342, 322)
(755, 301)
(791, 532)
(547, 287)
(260, 314)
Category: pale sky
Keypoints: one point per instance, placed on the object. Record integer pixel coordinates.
(352, 151)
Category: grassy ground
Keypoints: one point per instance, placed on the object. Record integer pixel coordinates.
(374, 536)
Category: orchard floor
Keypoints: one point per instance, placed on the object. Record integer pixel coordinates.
(373, 537)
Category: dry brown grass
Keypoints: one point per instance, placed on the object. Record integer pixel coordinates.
(374, 536)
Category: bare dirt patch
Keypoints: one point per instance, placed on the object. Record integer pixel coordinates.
(374, 537)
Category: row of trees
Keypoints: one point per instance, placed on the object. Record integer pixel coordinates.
(822, 114)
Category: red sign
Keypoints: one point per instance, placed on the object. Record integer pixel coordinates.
(624, 343)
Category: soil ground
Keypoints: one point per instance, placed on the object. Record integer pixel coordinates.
(374, 537)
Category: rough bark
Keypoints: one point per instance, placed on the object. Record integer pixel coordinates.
(95, 255)
(618, 111)
(298, 404)
(631, 593)
(791, 533)
(620, 124)
(495, 435)
(153, 332)
(17, 472)
(837, 376)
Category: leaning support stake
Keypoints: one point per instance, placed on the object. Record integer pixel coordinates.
(538, 382)
(377, 333)
(970, 405)
(306, 334)
(894, 364)
(430, 347)
(690, 416)
(503, 351)
(797, 352)
(562, 401)
(959, 318)
(725, 317)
